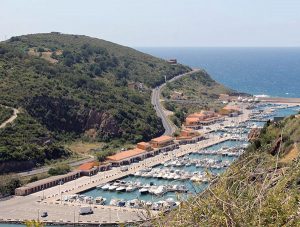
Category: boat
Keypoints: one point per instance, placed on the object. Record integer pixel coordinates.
(114, 202)
(100, 186)
(131, 188)
(121, 189)
(160, 190)
(100, 200)
(144, 190)
(121, 203)
(112, 187)
(105, 187)
(134, 203)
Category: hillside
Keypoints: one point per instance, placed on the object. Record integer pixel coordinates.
(71, 86)
(5, 113)
(261, 188)
(197, 91)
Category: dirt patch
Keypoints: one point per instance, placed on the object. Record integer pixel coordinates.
(291, 155)
(45, 55)
(83, 148)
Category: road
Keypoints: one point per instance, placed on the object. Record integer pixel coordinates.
(45, 169)
(170, 128)
(12, 118)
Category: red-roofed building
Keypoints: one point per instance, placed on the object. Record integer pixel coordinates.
(127, 157)
(197, 120)
(163, 144)
(189, 135)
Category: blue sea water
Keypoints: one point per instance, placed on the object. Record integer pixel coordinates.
(270, 71)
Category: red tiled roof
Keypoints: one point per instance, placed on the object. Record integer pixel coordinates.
(125, 154)
(87, 166)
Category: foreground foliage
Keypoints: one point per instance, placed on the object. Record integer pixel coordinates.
(257, 190)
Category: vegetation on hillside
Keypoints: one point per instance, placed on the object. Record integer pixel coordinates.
(259, 189)
(71, 87)
(199, 91)
(5, 113)
(59, 169)
(25, 139)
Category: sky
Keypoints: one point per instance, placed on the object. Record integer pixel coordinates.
(160, 23)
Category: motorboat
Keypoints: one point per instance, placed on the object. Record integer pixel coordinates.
(100, 200)
(112, 187)
(121, 189)
(105, 187)
(144, 190)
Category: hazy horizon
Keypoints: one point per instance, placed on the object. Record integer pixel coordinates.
(156, 23)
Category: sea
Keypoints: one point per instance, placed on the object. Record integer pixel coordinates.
(258, 71)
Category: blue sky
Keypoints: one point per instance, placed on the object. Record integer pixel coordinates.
(142, 23)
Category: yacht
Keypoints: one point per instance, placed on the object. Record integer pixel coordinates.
(105, 187)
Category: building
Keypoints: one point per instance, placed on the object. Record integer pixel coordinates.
(177, 95)
(193, 123)
(136, 86)
(231, 110)
(197, 120)
(172, 61)
(46, 183)
(127, 157)
(188, 136)
(91, 168)
(163, 144)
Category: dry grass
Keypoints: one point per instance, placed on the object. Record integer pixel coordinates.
(83, 148)
(291, 155)
(45, 55)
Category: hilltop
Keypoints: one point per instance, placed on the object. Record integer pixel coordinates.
(74, 87)
(261, 188)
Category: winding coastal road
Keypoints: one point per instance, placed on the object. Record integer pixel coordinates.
(170, 128)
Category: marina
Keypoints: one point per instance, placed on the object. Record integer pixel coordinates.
(158, 183)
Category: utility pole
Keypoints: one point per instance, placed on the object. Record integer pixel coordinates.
(74, 218)
(165, 78)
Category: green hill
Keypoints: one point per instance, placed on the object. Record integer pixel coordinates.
(72, 86)
(261, 188)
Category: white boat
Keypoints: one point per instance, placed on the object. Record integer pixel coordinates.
(105, 187)
(130, 188)
(138, 173)
(114, 202)
(112, 187)
(144, 190)
(120, 189)
(100, 186)
(160, 190)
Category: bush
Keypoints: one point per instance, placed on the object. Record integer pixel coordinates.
(59, 170)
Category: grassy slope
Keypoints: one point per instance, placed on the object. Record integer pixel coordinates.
(85, 90)
(257, 190)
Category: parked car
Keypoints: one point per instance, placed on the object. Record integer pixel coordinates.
(44, 214)
(85, 210)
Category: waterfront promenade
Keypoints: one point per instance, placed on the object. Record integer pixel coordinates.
(30, 207)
